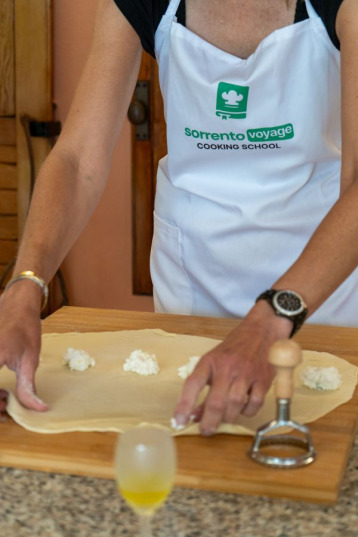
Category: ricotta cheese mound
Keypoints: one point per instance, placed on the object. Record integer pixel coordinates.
(78, 359)
(185, 370)
(321, 378)
(141, 363)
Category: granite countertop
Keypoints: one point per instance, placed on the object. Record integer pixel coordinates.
(53, 505)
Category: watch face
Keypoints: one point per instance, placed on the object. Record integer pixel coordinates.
(288, 303)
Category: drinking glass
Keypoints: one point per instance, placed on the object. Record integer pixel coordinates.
(145, 464)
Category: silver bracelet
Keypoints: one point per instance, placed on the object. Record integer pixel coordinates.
(29, 275)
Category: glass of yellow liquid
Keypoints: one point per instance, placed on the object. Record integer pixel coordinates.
(145, 463)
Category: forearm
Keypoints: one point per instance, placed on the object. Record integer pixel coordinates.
(330, 255)
(65, 195)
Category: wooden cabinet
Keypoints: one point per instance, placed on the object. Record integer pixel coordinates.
(8, 180)
(25, 90)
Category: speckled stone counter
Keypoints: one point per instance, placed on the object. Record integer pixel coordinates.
(52, 505)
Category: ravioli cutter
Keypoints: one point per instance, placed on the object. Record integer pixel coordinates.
(289, 449)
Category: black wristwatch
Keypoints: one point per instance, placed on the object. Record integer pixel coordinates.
(287, 304)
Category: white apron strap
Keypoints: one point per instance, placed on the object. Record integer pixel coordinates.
(311, 12)
(172, 8)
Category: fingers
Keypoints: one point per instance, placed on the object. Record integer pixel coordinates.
(255, 400)
(25, 387)
(215, 406)
(244, 401)
(198, 413)
(20, 343)
(238, 398)
(191, 390)
(225, 404)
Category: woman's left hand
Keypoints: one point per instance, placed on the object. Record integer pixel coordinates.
(237, 371)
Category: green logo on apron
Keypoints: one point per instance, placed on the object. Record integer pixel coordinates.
(231, 101)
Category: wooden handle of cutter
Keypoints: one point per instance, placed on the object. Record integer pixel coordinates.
(285, 355)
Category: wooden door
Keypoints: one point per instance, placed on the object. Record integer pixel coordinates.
(146, 154)
(25, 93)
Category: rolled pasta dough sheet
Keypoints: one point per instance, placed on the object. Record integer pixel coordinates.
(107, 398)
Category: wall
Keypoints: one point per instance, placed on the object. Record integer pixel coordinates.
(98, 268)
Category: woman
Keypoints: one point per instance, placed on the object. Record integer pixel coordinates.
(253, 197)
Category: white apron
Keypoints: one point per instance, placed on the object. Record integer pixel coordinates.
(253, 166)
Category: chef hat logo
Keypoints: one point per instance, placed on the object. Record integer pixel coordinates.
(232, 98)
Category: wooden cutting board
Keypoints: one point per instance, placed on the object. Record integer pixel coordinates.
(219, 463)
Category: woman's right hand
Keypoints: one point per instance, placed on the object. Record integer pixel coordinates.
(20, 342)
